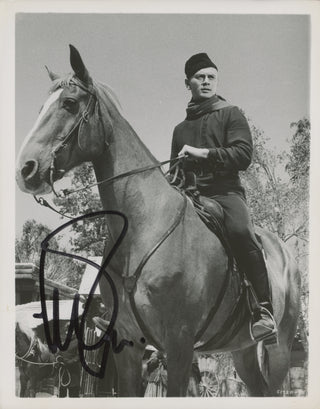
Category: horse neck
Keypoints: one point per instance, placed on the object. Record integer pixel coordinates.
(127, 153)
(137, 196)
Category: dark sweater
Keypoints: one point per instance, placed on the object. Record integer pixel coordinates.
(225, 132)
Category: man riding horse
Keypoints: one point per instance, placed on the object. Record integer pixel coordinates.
(215, 139)
(170, 295)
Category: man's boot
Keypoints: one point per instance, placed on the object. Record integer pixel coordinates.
(255, 269)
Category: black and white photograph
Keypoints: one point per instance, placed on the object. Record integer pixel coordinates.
(163, 235)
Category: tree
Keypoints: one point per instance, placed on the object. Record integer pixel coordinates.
(298, 168)
(28, 247)
(264, 179)
(88, 236)
(299, 158)
(64, 270)
(57, 268)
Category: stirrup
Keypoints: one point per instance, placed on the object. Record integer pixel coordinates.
(270, 337)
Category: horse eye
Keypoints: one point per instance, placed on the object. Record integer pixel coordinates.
(70, 104)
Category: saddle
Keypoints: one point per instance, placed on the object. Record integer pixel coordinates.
(209, 211)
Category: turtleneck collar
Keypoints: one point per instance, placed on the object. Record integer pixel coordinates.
(195, 109)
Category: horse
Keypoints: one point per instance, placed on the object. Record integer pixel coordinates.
(171, 273)
(34, 360)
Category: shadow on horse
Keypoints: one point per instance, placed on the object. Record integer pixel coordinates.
(170, 269)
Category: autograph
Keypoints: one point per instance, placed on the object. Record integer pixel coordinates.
(110, 335)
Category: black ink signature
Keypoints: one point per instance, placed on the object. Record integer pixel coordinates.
(110, 335)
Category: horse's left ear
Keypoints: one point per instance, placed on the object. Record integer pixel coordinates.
(78, 66)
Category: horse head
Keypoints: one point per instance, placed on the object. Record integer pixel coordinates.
(27, 345)
(69, 130)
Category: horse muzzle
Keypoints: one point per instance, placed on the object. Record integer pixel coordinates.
(29, 180)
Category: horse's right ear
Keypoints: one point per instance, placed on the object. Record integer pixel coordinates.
(78, 65)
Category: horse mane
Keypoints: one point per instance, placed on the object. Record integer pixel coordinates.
(112, 95)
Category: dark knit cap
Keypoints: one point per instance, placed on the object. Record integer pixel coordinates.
(196, 63)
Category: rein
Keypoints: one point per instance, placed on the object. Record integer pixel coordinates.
(66, 192)
(36, 363)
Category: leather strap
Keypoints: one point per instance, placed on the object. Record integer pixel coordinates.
(130, 282)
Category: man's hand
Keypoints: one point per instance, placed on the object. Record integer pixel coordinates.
(188, 150)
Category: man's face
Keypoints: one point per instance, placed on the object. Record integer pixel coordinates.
(203, 84)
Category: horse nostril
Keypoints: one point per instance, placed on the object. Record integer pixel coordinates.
(30, 169)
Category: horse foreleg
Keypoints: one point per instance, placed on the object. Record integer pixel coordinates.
(129, 370)
(179, 362)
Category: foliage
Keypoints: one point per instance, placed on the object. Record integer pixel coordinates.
(299, 158)
(278, 194)
(64, 270)
(28, 247)
(262, 180)
(58, 268)
(298, 168)
(89, 235)
(282, 180)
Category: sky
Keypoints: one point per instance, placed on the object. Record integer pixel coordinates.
(263, 62)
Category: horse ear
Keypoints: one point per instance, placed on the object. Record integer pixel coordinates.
(52, 75)
(78, 65)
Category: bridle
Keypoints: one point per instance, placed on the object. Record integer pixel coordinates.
(81, 118)
(32, 352)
